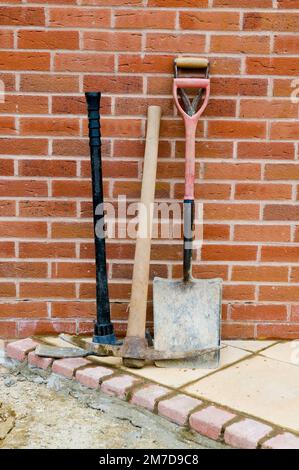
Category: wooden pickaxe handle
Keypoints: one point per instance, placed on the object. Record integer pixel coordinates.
(138, 303)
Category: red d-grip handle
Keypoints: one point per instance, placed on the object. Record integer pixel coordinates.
(190, 127)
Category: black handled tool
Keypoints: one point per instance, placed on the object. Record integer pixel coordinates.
(103, 331)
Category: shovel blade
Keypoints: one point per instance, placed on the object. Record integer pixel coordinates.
(187, 317)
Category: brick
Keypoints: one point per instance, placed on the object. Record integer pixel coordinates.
(47, 208)
(278, 331)
(236, 129)
(48, 39)
(212, 20)
(45, 327)
(38, 361)
(193, 43)
(138, 106)
(25, 104)
(147, 64)
(47, 168)
(72, 230)
(68, 367)
(7, 168)
(27, 146)
(204, 271)
(144, 19)
(46, 290)
(48, 83)
(260, 273)
(92, 376)
(73, 270)
(73, 309)
(237, 330)
(239, 86)
(111, 41)
(282, 254)
(74, 148)
(8, 329)
(46, 250)
(243, 4)
(22, 16)
(284, 130)
(7, 289)
(258, 312)
(7, 208)
(271, 66)
(23, 309)
(281, 212)
(125, 271)
(6, 39)
(294, 274)
(178, 3)
(275, 21)
(284, 440)
(283, 87)
(16, 60)
(288, 4)
(266, 150)
(71, 189)
(228, 253)
(240, 44)
(246, 434)
(260, 192)
(113, 84)
(147, 396)
(83, 62)
(279, 293)
(232, 171)
(23, 229)
(49, 126)
(210, 421)
(281, 171)
(205, 191)
(119, 386)
(87, 18)
(239, 292)
(286, 44)
(8, 125)
(178, 408)
(265, 233)
(7, 249)
(19, 349)
(23, 269)
(216, 232)
(265, 109)
(214, 211)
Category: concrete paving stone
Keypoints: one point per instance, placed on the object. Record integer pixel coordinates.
(259, 386)
(119, 386)
(41, 362)
(249, 345)
(177, 378)
(92, 376)
(19, 349)
(285, 440)
(246, 434)
(210, 421)
(285, 352)
(177, 409)
(148, 395)
(69, 366)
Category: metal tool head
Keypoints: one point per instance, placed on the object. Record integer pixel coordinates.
(187, 317)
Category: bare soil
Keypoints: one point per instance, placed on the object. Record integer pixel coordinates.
(56, 413)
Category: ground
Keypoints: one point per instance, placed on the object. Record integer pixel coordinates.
(46, 417)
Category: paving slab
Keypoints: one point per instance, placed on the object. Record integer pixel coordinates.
(177, 378)
(249, 345)
(262, 387)
(285, 352)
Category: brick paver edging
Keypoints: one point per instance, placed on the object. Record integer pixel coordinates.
(199, 416)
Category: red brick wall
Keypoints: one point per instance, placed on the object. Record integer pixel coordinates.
(246, 151)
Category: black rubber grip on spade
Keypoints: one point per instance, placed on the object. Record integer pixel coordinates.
(188, 238)
(103, 332)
